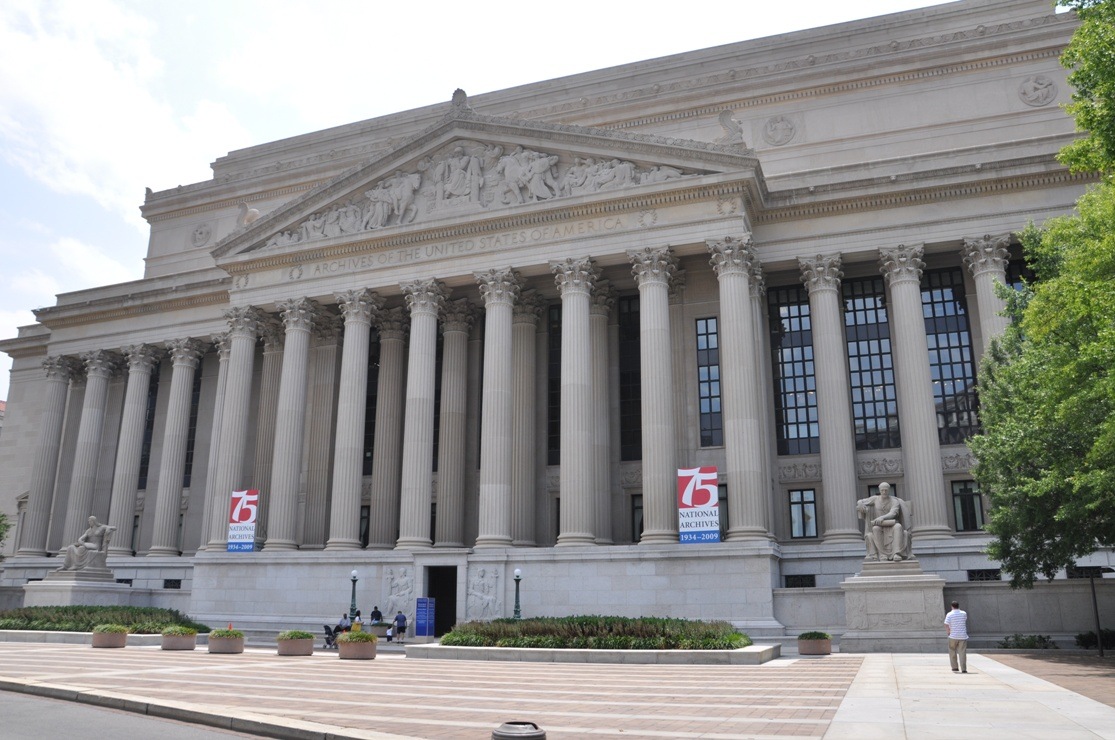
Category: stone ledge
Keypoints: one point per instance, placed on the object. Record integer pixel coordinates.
(754, 655)
(84, 638)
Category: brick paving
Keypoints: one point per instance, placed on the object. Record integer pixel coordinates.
(450, 700)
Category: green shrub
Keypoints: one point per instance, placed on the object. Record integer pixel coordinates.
(814, 636)
(1087, 640)
(224, 634)
(110, 629)
(295, 635)
(598, 633)
(178, 630)
(1019, 641)
(139, 620)
(356, 637)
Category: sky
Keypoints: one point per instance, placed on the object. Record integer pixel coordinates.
(100, 99)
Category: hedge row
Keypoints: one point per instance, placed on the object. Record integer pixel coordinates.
(598, 633)
(138, 619)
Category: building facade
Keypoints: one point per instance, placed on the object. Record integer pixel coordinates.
(485, 335)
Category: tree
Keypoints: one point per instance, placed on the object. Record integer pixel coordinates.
(1047, 451)
(1091, 56)
(4, 525)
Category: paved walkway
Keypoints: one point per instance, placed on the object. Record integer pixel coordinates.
(838, 696)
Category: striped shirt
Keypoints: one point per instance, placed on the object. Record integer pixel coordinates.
(957, 620)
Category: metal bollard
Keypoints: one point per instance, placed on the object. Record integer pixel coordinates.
(518, 731)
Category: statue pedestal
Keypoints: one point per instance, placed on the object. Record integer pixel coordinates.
(88, 587)
(893, 607)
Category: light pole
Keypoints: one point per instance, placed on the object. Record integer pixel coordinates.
(1095, 604)
(352, 606)
(518, 612)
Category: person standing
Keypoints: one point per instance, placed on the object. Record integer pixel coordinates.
(400, 626)
(956, 624)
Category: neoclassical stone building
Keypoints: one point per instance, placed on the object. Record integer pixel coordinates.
(485, 335)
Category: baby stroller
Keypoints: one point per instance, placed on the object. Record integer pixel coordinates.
(330, 638)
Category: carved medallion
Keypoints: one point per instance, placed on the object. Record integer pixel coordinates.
(1037, 90)
(778, 131)
(201, 235)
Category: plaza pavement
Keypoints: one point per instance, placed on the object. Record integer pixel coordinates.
(838, 696)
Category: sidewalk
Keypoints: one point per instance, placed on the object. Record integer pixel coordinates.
(390, 698)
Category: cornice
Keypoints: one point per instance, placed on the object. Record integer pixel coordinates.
(211, 292)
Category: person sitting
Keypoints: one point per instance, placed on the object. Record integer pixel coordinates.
(357, 622)
(376, 616)
(344, 625)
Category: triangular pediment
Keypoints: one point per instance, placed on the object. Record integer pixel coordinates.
(468, 165)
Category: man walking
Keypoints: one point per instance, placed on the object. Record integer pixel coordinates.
(956, 624)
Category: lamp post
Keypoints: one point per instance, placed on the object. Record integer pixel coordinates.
(1095, 603)
(352, 606)
(518, 612)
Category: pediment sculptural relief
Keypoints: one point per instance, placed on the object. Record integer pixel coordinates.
(469, 175)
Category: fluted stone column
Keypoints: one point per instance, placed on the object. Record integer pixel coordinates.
(822, 275)
(299, 315)
(575, 280)
(223, 344)
(457, 320)
(324, 361)
(741, 404)
(424, 299)
(499, 289)
(986, 259)
(653, 268)
(603, 298)
(765, 389)
(387, 448)
(129, 449)
(185, 354)
(358, 308)
(267, 410)
(99, 367)
(524, 368)
(921, 448)
(58, 371)
(243, 324)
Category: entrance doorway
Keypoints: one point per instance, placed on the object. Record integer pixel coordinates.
(441, 584)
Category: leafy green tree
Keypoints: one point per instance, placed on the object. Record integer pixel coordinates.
(1091, 56)
(1047, 451)
(4, 525)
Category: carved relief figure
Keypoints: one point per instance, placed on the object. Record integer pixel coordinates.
(400, 591)
(379, 207)
(660, 173)
(482, 590)
(459, 176)
(402, 188)
(887, 524)
(91, 547)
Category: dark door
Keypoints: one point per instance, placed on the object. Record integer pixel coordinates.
(441, 584)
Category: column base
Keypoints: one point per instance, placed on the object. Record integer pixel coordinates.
(747, 533)
(414, 543)
(342, 544)
(492, 541)
(659, 538)
(578, 539)
(28, 553)
(842, 535)
(159, 551)
(932, 533)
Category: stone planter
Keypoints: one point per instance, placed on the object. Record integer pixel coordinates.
(226, 645)
(179, 642)
(110, 639)
(356, 650)
(296, 647)
(379, 630)
(814, 647)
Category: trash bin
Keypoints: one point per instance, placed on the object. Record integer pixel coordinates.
(518, 731)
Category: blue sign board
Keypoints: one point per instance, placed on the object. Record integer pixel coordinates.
(424, 618)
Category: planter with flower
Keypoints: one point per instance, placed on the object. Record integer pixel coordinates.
(295, 642)
(226, 641)
(177, 637)
(814, 643)
(356, 646)
(110, 636)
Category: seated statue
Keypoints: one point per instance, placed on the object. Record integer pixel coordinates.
(91, 548)
(886, 531)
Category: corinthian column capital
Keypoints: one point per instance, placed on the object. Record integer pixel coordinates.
(359, 306)
(986, 254)
(100, 363)
(458, 315)
(528, 309)
(185, 352)
(730, 255)
(822, 272)
(424, 296)
(60, 367)
(393, 323)
(141, 357)
(603, 298)
(244, 321)
(652, 265)
(499, 286)
(223, 343)
(902, 263)
(299, 314)
(575, 275)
